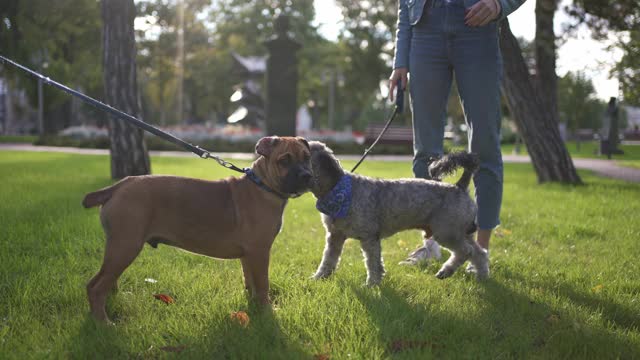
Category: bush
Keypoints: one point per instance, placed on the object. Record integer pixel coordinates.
(19, 139)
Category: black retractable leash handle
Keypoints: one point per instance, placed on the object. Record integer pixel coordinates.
(397, 109)
(128, 118)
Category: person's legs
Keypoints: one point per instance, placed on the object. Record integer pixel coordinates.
(483, 238)
(478, 69)
(478, 79)
(430, 74)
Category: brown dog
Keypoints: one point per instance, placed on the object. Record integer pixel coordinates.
(228, 219)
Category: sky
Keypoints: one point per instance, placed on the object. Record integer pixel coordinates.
(580, 53)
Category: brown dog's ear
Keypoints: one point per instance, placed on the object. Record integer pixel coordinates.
(266, 144)
(304, 141)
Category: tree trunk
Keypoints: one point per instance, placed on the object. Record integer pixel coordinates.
(545, 45)
(128, 150)
(537, 125)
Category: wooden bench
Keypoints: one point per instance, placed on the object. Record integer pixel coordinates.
(396, 134)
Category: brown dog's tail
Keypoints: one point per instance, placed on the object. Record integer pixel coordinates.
(449, 163)
(101, 196)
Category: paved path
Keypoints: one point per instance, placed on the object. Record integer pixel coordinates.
(602, 167)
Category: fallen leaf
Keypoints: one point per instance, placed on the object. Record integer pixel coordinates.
(321, 357)
(502, 232)
(175, 349)
(241, 317)
(165, 298)
(597, 288)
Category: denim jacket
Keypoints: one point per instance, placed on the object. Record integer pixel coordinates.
(409, 14)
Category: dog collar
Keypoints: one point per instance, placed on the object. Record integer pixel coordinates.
(251, 175)
(337, 202)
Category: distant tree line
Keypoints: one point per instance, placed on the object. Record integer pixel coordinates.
(62, 38)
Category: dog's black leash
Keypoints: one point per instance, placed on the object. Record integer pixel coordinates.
(397, 109)
(130, 119)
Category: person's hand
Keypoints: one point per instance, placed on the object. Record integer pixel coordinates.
(482, 12)
(399, 73)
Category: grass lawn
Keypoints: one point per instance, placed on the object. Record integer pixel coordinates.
(564, 283)
(586, 150)
(630, 163)
(630, 158)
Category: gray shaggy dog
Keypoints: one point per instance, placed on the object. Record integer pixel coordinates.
(369, 210)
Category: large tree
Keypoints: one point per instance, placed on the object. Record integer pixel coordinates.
(536, 121)
(545, 55)
(620, 18)
(62, 40)
(129, 154)
(628, 68)
(533, 99)
(577, 102)
(367, 40)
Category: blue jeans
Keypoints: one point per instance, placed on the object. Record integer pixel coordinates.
(441, 46)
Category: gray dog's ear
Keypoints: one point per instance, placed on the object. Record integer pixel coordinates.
(304, 141)
(265, 145)
(316, 146)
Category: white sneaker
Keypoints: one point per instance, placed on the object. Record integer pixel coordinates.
(430, 249)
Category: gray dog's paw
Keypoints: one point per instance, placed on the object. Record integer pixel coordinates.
(320, 275)
(482, 275)
(444, 273)
(373, 282)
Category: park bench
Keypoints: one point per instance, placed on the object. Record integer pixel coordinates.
(396, 134)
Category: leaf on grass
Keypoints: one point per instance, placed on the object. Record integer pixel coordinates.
(174, 349)
(502, 232)
(321, 357)
(402, 345)
(597, 288)
(165, 298)
(241, 317)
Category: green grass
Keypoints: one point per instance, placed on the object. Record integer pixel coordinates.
(586, 150)
(630, 158)
(564, 280)
(629, 163)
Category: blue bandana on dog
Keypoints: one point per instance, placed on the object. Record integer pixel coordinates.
(337, 202)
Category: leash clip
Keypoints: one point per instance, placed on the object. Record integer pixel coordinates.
(205, 154)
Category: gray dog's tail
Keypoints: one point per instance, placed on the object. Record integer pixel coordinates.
(449, 163)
